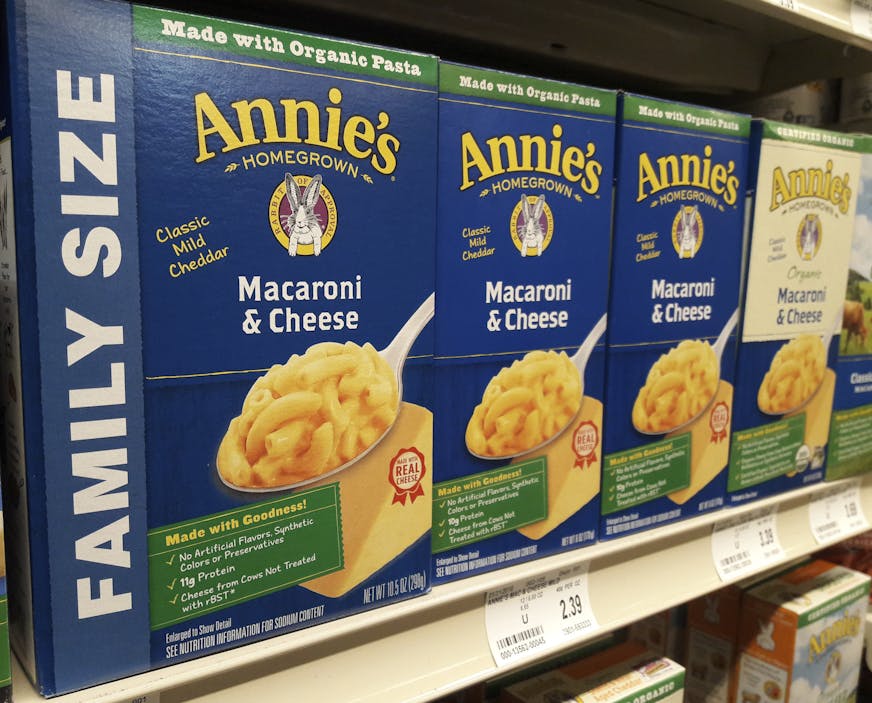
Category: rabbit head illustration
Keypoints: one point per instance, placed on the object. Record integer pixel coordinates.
(687, 233)
(809, 237)
(764, 638)
(529, 228)
(302, 224)
(710, 612)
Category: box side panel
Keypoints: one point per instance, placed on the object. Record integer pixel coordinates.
(87, 275)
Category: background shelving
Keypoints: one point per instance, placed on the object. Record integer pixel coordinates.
(718, 52)
(420, 649)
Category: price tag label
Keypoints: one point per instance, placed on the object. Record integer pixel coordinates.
(861, 18)
(792, 5)
(538, 614)
(837, 514)
(746, 544)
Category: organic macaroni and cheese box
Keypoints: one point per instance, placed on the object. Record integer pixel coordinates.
(216, 358)
(851, 424)
(804, 187)
(525, 169)
(712, 635)
(801, 636)
(625, 673)
(676, 262)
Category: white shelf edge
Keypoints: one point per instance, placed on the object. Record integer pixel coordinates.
(831, 18)
(419, 649)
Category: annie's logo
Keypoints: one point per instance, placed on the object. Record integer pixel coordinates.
(811, 183)
(687, 231)
(531, 225)
(303, 215)
(809, 237)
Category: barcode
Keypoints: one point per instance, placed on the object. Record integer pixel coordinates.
(523, 636)
(734, 558)
(642, 522)
(828, 526)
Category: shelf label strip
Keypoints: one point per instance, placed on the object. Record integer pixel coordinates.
(861, 18)
(538, 614)
(837, 513)
(744, 545)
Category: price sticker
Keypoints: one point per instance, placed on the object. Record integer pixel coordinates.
(538, 614)
(837, 513)
(792, 5)
(861, 18)
(747, 544)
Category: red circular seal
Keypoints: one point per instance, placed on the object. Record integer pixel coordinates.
(584, 443)
(405, 474)
(719, 419)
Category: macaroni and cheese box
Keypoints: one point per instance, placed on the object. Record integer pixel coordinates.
(525, 168)
(676, 263)
(625, 673)
(662, 633)
(216, 365)
(851, 425)
(5, 651)
(804, 185)
(801, 636)
(712, 635)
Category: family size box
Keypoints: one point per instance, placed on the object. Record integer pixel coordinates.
(216, 377)
(676, 263)
(5, 651)
(801, 636)
(851, 424)
(522, 265)
(626, 673)
(804, 185)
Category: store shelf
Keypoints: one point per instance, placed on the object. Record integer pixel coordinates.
(723, 49)
(717, 51)
(420, 649)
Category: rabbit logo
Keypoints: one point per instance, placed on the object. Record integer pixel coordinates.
(687, 232)
(531, 225)
(808, 237)
(765, 640)
(303, 215)
(710, 612)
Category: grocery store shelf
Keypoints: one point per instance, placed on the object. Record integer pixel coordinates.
(724, 49)
(420, 649)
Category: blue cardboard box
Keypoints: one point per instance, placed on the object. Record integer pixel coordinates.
(673, 306)
(804, 186)
(217, 361)
(850, 450)
(525, 169)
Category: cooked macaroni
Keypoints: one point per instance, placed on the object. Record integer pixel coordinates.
(795, 373)
(680, 385)
(525, 404)
(309, 416)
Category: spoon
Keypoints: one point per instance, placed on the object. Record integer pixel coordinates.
(826, 338)
(579, 360)
(395, 355)
(718, 348)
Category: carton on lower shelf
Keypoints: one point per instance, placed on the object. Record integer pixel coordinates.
(217, 271)
(712, 636)
(801, 636)
(625, 673)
